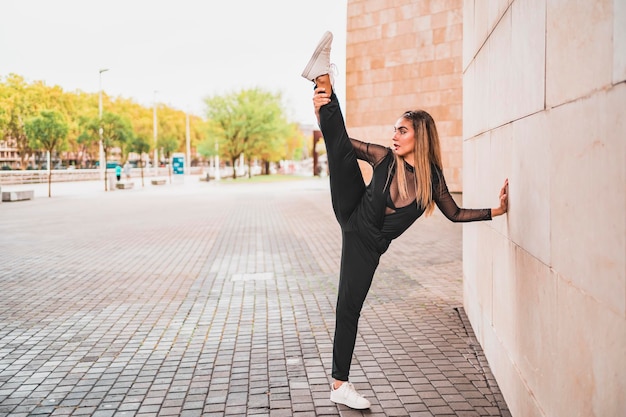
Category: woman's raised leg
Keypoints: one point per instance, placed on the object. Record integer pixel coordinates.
(346, 179)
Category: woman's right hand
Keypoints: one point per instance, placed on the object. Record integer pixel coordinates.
(320, 98)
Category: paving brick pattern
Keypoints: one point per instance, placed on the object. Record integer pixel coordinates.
(206, 299)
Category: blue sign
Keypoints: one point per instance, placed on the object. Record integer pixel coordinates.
(178, 163)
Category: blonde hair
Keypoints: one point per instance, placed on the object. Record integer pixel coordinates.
(427, 152)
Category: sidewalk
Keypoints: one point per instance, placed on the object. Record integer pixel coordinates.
(217, 299)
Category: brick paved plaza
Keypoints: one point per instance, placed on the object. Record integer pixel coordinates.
(217, 299)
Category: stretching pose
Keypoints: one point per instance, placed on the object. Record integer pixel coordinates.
(407, 181)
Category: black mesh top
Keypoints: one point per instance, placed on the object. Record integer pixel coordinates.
(401, 213)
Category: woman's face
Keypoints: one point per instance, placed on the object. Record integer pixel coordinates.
(404, 138)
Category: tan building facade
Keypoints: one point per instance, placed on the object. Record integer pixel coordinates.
(406, 55)
(542, 87)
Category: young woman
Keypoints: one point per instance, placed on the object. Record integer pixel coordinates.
(407, 181)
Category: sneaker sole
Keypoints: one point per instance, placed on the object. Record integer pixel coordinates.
(326, 39)
(350, 406)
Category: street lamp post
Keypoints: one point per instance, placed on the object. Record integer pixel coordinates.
(154, 128)
(187, 146)
(101, 156)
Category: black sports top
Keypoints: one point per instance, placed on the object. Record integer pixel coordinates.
(401, 213)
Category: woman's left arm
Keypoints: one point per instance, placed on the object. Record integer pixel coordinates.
(453, 212)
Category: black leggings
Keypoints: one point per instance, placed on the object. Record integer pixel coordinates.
(359, 259)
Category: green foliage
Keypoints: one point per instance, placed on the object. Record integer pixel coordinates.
(248, 122)
(116, 131)
(20, 101)
(168, 144)
(139, 145)
(89, 130)
(208, 147)
(48, 131)
(16, 109)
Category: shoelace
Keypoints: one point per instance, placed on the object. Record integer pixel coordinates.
(332, 72)
(351, 392)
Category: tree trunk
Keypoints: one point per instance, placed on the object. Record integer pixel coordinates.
(23, 160)
(141, 163)
(22, 149)
(232, 161)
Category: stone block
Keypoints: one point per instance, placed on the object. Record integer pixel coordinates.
(124, 185)
(18, 195)
(580, 56)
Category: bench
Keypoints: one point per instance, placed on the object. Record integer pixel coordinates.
(18, 195)
(158, 182)
(123, 185)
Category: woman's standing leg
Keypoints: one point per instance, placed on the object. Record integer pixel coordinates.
(358, 264)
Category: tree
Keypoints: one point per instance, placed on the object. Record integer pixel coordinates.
(15, 111)
(295, 144)
(80, 106)
(116, 132)
(19, 101)
(140, 145)
(87, 140)
(285, 143)
(169, 144)
(48, 131)
(246, 123)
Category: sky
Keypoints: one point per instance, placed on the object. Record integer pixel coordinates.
(173, 52)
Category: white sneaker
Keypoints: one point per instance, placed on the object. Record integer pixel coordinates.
(319, 64)
(347, 395)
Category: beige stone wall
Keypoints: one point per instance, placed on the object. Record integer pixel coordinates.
(406, 55)
(545, 287)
